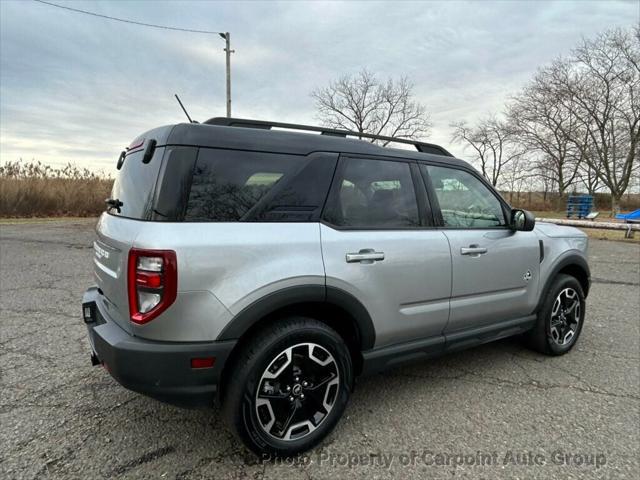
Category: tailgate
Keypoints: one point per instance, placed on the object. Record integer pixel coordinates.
(110, 254)
(133, 198)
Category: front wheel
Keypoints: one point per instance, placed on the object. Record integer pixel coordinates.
(289, 387)
(560, 319)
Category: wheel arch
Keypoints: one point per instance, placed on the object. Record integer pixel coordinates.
(574, 265)
(335, 307)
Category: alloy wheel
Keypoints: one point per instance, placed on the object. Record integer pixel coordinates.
(297, 391)
(565, 317)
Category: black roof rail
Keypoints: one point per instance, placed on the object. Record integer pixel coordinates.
(265, 125)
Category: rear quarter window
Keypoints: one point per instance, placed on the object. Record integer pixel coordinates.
(232, 186)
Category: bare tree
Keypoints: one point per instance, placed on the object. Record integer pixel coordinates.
(589, 178)
(546, 128)
(588, 173)
(491, 143)
(362, 103)
(547, 182)
(517, 177)
(600, 85)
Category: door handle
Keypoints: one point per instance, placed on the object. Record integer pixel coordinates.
(366, 255)
(473, 250)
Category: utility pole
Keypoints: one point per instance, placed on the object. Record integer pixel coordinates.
(227, 39)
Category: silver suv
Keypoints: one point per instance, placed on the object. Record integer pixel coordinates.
(264, 269)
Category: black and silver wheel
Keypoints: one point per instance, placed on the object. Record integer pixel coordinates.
(297, 391)
(289, 387)
(565, 317)
(560, 319)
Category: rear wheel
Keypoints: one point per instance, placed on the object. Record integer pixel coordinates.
(560, 319)
(289, 387)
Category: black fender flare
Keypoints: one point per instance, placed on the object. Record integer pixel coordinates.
(300, 294)
(569, 260)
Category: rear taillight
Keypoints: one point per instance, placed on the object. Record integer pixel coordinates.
(153, 283)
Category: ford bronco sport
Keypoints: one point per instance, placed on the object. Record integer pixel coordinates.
(250, 265)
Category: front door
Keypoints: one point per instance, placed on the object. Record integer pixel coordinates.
(377, 245)
(495, 269)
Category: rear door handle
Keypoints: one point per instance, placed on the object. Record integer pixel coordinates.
(473, 250)
(366, 255)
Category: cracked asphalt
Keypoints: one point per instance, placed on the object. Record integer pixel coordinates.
(496, 411)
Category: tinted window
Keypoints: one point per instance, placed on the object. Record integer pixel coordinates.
(373, 193)
(465, 202)
(135, 184)
(173, 188)
(301, 197)
(230, 186)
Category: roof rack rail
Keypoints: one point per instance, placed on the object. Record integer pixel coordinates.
(265, 125)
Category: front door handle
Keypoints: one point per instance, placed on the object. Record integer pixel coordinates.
(473, 250)
(366, 255)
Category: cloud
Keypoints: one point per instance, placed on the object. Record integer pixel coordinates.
(78, 88)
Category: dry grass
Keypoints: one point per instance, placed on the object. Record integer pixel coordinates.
(537, 201)
(549, 214)
(36, 190)
(615, 235)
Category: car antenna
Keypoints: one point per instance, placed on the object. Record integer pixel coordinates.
(184, 109)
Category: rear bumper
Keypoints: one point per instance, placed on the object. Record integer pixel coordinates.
(161, 370)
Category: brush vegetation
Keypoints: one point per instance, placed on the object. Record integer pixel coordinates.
(32, 189)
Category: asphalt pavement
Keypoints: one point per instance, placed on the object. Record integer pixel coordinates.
(496, 411)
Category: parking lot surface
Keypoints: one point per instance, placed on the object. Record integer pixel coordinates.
(497, 411)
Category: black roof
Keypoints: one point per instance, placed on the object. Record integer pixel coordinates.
(216, 133)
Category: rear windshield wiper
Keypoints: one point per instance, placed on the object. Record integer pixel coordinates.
(113, 203)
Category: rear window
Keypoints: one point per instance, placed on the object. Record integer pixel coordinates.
(135, 184)
(232, 186)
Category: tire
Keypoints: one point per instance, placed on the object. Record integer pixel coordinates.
(549, 336)
(305, 369)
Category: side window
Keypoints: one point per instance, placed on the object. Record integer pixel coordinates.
(231, 186)
(172, 190)
(227, 184)
(372, 193)
(465, 202)
(300, 197)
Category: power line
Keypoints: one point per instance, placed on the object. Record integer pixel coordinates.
(124, 20)
(225, 35)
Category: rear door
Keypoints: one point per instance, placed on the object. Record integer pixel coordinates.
(495, 269)
(378, 245)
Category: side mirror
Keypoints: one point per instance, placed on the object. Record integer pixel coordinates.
(522, 220)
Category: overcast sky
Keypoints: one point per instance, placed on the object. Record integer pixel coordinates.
(78, 88)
